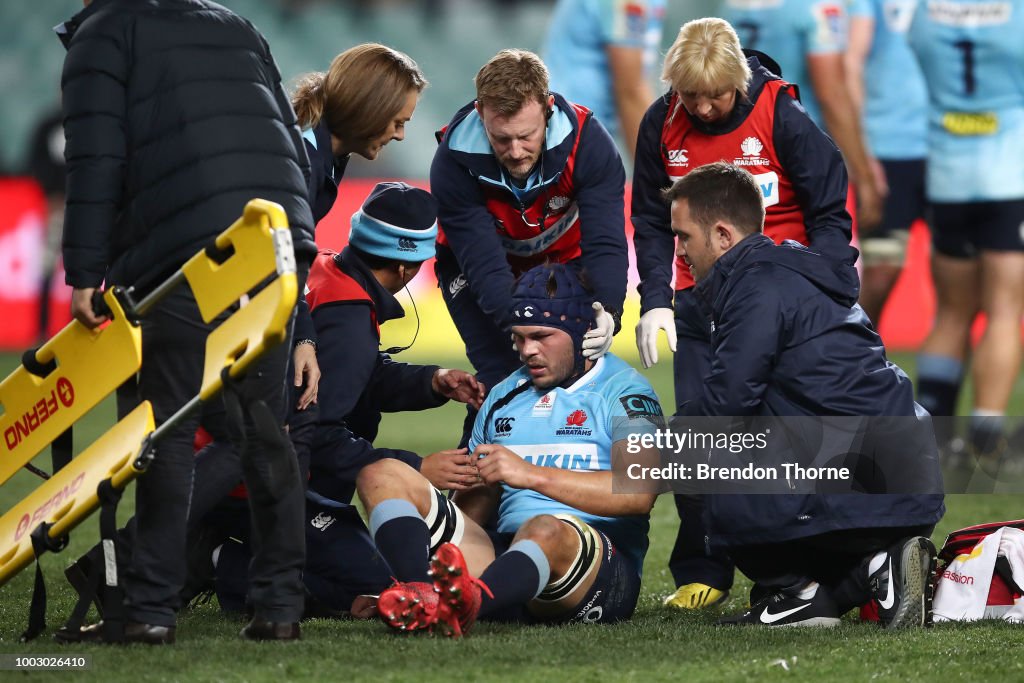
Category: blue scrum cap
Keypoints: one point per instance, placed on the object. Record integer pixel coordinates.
(552, 295)
(397, 221)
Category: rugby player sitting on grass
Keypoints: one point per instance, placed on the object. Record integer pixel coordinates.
(565, 547)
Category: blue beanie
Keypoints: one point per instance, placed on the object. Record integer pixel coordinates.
(397, 221)
(552, 295)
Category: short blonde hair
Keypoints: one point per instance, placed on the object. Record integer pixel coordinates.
(706, 58)
(358, 96)
(511, 79)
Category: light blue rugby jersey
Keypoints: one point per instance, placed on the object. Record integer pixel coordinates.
(573, 429)
(789, 31)
(579, 33)
(972, 55)
(896, 100)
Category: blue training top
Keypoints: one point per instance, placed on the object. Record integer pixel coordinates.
(579, 34)
(571, 428)
(972, 55)
(895, 113)
(789, 31)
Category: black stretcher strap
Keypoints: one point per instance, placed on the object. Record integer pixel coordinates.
(63, 446)
(41, 542)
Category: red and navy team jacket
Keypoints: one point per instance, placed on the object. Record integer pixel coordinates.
(800, 171)
(574, 211)
(357, 381)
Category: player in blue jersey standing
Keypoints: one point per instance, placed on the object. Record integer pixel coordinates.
(565, 548)
(887, 87)
(601, 54)
(807, 39)
(972, 56)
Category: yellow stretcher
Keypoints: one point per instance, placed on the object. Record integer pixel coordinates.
(252, 262)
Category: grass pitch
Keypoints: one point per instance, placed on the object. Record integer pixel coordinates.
(657, 645)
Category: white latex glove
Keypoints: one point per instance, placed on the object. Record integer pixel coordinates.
(598, 338)
(647, 333)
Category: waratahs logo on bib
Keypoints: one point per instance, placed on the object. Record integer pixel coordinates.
(751, 148)
(574, 422)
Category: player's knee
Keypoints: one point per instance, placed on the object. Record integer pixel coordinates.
(384, 476)
(547, 531)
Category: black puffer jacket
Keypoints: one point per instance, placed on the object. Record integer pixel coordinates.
(175, 117)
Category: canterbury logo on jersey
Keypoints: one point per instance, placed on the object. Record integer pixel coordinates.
(503, 426)
(539, 243)
(566, 456)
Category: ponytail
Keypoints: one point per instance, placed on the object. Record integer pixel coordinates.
(309, 99)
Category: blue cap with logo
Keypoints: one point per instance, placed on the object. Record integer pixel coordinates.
(552, 295)
(396, 221)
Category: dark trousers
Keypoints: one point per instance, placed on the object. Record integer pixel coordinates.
(836, 560)
(174, 339)
(692, 561)
(341, 560)
(488, 347)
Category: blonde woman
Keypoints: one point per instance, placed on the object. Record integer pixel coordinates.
(722, 105)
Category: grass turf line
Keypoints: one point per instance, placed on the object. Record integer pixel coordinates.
(657, 645)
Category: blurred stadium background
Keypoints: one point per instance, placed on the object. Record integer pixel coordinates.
(449, 38)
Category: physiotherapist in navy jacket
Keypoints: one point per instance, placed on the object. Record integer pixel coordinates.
(788, 339)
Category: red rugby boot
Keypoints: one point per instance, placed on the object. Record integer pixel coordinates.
(408, 606)
(459, 593)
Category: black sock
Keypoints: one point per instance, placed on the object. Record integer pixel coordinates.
(938, 383)
(402, 539)
(938, 397)
(515, 578)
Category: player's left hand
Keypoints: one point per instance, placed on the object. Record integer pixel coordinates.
(460, 386)
(598, 338)
(498, 464)
(307, 371)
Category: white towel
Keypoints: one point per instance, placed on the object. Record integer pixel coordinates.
(962, 591)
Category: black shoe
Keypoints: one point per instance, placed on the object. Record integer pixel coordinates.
(134, 632)
(903, 584)
(149, 634)
(259, 629)
(783, 608)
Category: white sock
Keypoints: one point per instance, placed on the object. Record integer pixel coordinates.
(876, 562)
(809, 591)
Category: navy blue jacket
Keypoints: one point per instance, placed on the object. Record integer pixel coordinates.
(599, 180)
(358, 379)
(811, 160)
(789, 339)
(326, 172)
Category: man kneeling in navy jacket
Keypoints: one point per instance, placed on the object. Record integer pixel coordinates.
(789, 340)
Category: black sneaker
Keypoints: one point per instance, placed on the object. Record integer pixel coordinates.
(903, 584)
(782, 608)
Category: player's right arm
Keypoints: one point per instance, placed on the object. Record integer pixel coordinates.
(827, 75)
(587, 491)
